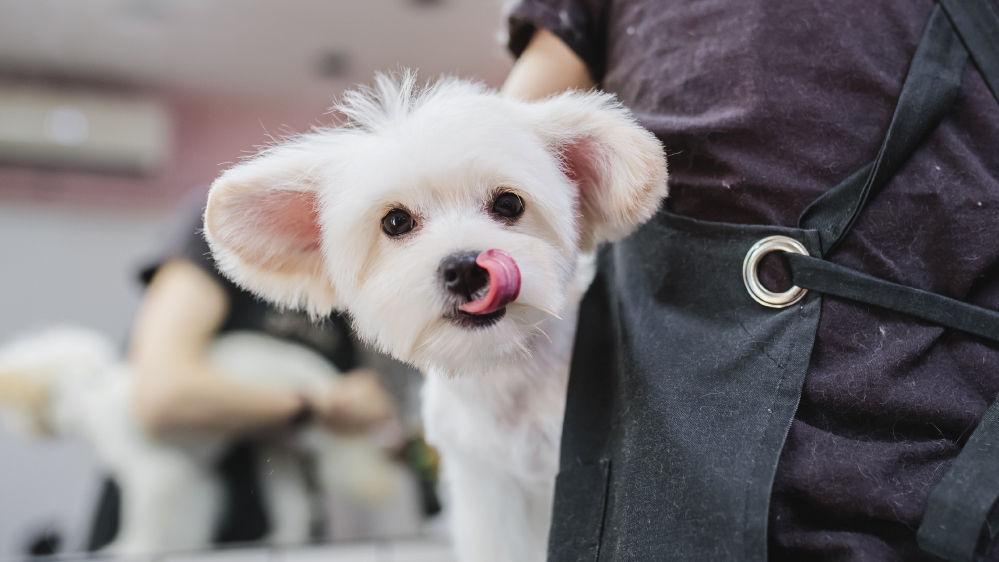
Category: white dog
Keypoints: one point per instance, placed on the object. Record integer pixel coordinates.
(449, 223)
(69, 382)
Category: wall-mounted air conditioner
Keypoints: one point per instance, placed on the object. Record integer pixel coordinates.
(82, 129)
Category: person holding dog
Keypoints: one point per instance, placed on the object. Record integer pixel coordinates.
(187, 304)
(795, 359)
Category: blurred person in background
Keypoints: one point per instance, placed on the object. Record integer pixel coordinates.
(187, 304)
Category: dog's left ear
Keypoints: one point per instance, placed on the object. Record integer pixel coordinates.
(617, 165)
(262, 224)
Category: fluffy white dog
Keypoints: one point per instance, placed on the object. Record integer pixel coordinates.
(69, 382)
(450, 222)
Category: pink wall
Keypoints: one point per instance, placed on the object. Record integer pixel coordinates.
(207, 134)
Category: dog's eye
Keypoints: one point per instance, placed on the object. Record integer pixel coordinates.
(508, 205)
(397, 222)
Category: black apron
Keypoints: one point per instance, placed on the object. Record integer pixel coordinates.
(687, 372)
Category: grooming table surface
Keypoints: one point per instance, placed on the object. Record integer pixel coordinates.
(398, 551)
(375, 551)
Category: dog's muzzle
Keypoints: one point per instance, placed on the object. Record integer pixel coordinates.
(485, 281)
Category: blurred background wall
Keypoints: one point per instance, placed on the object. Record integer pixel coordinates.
(110, 110)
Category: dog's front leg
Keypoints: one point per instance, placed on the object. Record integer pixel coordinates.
(168, 502)
(495, 517)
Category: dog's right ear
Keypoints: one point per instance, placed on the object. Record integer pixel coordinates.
(262, 224)
(617, 166)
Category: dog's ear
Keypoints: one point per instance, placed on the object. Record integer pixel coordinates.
(262, 224)
(618, 166)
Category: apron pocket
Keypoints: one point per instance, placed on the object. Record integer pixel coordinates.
(580, 498)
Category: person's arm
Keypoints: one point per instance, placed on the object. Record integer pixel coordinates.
(546, 67)
(176, 388)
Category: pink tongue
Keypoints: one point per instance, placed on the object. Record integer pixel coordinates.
(504, 282)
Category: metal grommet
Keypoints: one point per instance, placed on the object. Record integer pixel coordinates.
(751, 264)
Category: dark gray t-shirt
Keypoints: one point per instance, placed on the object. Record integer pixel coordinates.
(763, 106)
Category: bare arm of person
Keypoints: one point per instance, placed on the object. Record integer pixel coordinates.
(547, 66)
(177, 389)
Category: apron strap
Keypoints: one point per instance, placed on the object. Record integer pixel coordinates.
(930, 89)
(833, 279)
(977, 23)
(959, 523)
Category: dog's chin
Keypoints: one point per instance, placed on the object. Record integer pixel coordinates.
(468, 321)
(460, 343)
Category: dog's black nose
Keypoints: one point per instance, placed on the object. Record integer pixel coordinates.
(461, 275)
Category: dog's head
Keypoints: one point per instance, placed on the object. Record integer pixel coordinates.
(43, 376)
(447, 221)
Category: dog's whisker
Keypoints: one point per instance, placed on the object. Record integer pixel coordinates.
(542, 309)
(545, 334)
(422, 338)
(525, 351)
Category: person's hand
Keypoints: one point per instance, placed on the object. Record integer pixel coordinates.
(355, 402)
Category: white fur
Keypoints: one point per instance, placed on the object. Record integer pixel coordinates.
(169, 489)
(494, 396)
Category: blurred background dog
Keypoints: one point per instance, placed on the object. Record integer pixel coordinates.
(68, 382)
